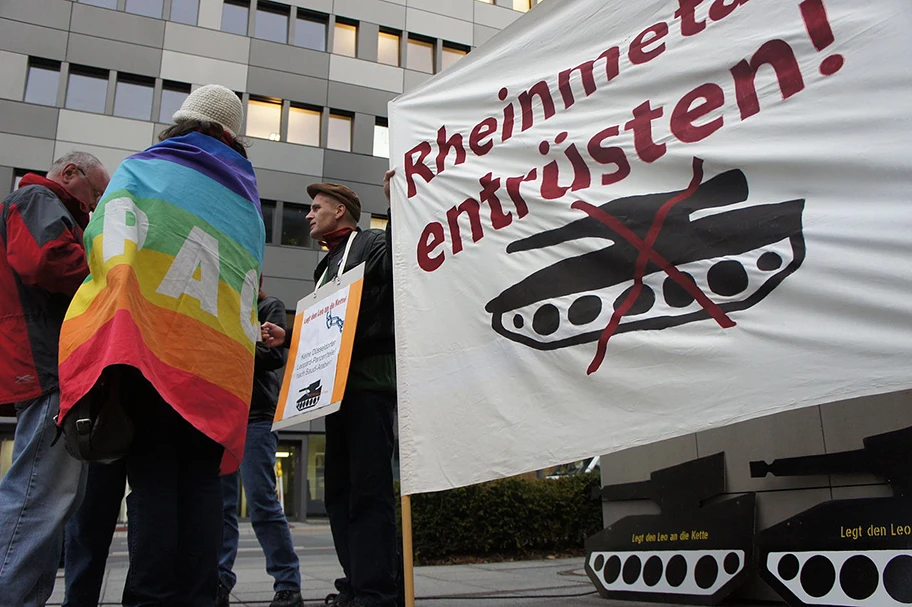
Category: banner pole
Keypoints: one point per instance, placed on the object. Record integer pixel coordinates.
(408, 569)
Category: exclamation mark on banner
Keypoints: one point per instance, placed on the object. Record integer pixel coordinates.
(818, 27)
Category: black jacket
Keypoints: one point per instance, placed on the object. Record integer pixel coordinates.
(266, 379)
(374, 334)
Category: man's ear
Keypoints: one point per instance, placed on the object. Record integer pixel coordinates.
(68, 173)
(340, 211)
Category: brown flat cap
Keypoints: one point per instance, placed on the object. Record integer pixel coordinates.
(341, 193)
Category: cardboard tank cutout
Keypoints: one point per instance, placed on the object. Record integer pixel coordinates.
(849, 552)
(690, 553)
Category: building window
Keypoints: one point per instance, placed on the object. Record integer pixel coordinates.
(420, 54)
(133, 96)
(378, 222)
(173, 95)
(304, 125)
(234, 16)
(101, 3)
(451, 54)
(388, 47)
(295, 226)
(264, 119)
(345, 38)
(43, 81)
(269, 207)
(185, 11)
(147, 8)
(381, 138)
(310, 31)
(87, 89)
(271, 22)
(522, 5)
(339, 134)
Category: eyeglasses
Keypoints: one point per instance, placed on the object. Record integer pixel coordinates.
(96, 193)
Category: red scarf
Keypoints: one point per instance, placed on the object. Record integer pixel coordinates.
(71, 203)
(333, 239)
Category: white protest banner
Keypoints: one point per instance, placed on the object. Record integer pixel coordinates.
(620, 222)
(320, 351)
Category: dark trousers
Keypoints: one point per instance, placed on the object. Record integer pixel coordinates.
(89, 533)
(359, 494)
(175, 510)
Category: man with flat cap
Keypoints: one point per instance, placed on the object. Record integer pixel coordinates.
(359, 437)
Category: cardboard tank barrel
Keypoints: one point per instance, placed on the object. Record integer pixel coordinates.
(690, 553)
(849, 551)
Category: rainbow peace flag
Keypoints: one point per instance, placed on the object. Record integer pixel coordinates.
(174, 250)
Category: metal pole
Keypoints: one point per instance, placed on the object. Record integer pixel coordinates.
(408, 568)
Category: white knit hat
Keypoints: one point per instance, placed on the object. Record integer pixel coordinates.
(214, 103)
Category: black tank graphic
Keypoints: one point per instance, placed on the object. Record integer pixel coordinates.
(669, 258)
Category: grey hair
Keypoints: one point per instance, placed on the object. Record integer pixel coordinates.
(83, 160)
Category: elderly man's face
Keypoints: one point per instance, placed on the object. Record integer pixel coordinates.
(86, 185)
(325, 215)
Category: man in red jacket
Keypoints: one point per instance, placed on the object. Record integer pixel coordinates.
(42, 263)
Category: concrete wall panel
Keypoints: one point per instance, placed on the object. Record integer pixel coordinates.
(481, 34)
(33, 40)
(206, 43)
(105, 131)
(788, 434)
(293, 263)
(290, 187)
(321, 6)
(355, 167)
(203, 70)
(286, 157)
(438, 26)
(359, 99)
(288, 290)
(49, 13)
(282, 85)
(109, 157)
(28, 119)
(26, 152)
(289, 58)
(497, 17)
(210, 14)
(458, 9)
(374, 11)
(413, 79)
(365, 73)
(13, 75)
(117, 25)
(114, 55)
(847, 423)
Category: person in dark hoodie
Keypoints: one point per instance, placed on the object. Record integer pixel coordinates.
(42, 264)
(258, 475)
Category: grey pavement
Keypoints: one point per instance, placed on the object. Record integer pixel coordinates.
(527, 583)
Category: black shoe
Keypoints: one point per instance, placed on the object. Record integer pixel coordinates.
(287, 598)
(342, 599)
(222, 596)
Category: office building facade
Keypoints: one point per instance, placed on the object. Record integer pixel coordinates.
(314, 76)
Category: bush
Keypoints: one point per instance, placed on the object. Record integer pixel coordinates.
(510, 518)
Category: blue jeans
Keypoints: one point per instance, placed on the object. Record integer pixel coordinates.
(41, 490)
(269, 522)
(89, 533)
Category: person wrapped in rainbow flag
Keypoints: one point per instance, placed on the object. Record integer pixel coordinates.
(166, 323)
